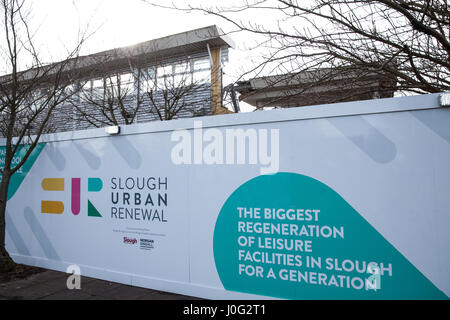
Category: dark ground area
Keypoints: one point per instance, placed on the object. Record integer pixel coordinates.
(20, 272)
(31, 283)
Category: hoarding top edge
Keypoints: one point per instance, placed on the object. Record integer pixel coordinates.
(398, 104)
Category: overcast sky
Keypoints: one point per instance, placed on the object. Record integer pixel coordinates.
(118, 23)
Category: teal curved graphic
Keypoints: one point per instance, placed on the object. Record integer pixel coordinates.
(95, 184)
(290, 236)
(18, 177)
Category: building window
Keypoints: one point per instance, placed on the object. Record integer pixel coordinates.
(202, 64)
(98, 88)
(183, 75)
(202, 71)
(164, 71)
(126, 82)
(147, 79)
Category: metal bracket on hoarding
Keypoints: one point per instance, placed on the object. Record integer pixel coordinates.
(112, 130)
(444, 99)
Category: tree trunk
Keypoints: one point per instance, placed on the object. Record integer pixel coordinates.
(6, 263)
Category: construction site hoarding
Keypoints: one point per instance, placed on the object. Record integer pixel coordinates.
(342, 201)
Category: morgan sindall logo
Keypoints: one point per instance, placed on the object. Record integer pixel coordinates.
(58, 185)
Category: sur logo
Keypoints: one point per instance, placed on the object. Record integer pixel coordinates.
(57, 184)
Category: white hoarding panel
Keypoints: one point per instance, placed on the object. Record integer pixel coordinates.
(346, 201)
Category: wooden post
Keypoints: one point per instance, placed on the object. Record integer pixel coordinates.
(216, 82)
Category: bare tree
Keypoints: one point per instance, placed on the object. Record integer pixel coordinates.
(28, 99)
(406, 39)
(156, 92)
(173, 93)
(109, 99)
